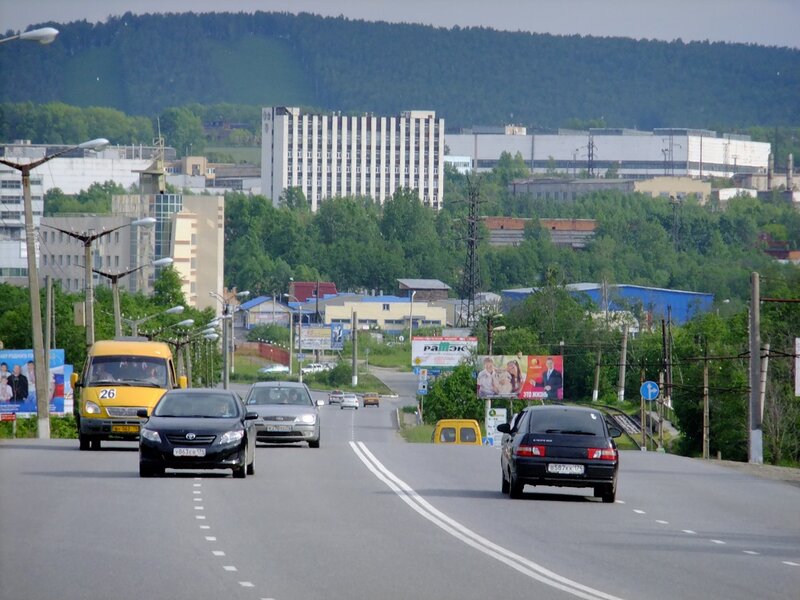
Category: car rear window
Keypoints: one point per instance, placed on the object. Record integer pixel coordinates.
(467, 435)
(560, 420)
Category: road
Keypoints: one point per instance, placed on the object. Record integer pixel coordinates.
(370, 516)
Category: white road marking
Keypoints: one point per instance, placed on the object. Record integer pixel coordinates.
(246, 584)
(751, 552)
(217, 553)
(718, 541)
(660, 522)
(211, 538)
(197, 499)
(689, 531)
(620, 501)
(639, 512)
(469, 537)
(199, 508)
(196, 491)
(790, 563)
(230, 568)
(200, 517)
(205, 526)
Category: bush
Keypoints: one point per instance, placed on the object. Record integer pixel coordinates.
(28, 427)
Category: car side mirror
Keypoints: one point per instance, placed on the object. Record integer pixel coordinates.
(142, 413)
(504, 428)
(75, 381)
(250, 415)
(320, 402)
(614, 432)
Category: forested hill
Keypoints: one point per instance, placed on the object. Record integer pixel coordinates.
(143, 64)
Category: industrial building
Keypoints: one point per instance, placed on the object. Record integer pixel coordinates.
(328, 155)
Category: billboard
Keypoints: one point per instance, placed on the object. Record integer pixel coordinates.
(18, 383)
(320, 337)
(442, 352)
(522, 377)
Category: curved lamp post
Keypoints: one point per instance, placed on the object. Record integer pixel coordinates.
(227, 327)
(41, 370)
(299, 339)
(114, 279)
(134, 323)
(45, 35)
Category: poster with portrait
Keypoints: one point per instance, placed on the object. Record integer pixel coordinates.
(524, 377)
(18, 382)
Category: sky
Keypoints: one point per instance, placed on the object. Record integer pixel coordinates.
(765, 22)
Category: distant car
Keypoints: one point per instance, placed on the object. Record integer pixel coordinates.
(311, 368)
(286, 413)
(457, 431)
(198, 429)
(566, 446)
(349, 401)
(335, 397)
(371, 398)
(274, 369)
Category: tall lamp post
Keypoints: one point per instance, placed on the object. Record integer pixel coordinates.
(45, 35)
(134, 323)
(41, 370)
(411, 318)
(227, 325)
(114, 279)
(490, 329)
(299, 339)
(86, 239)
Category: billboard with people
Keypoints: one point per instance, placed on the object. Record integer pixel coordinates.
(18, 382)
(520, 376)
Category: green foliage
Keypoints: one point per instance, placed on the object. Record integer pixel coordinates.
(453, 396)
(167, 289)
(276, 334)
(184, 131)
(96, 199)
(28, 427)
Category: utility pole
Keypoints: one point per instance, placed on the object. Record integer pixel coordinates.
(596, 389)
(706, 418)
(354, 328)
(622, 362)
(756, 446)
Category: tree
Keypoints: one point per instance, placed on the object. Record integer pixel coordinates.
(183, 130)
(167, 289)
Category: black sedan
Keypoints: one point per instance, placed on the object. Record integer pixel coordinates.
(565, 446)
(198, 429)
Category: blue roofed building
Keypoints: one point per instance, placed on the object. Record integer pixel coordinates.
(649, 303)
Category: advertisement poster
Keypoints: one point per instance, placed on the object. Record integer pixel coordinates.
(320, 337)
(494, 416)
(18, 382)
(522, 377)
(442, 352)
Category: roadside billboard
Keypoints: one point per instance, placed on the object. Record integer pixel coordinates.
(18, 383)
(321, 337)
(523, 377)
(442, 352)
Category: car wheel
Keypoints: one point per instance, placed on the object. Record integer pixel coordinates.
(241, 472)
(84, 442)
(313, 444)
(607, 493)
(146, 470)
(96, 444)
(251, 468)
(341, 408)
(504, 485)
(515, 488)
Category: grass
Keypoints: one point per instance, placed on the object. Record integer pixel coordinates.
(28, 427)
(418, 434)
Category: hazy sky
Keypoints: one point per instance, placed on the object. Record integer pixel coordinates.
(767, 22)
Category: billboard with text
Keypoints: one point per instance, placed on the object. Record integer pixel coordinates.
(521, 376)
(442, 352)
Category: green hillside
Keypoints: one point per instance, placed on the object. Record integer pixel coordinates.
(144, 64)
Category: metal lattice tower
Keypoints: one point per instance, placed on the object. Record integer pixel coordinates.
(471, 279)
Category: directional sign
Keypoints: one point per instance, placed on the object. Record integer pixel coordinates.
(649, 390)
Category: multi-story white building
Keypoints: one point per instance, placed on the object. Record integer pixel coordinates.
(632, 154)
(337, 155)
(13, 249)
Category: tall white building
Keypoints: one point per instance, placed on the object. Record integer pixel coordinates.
(337, 155)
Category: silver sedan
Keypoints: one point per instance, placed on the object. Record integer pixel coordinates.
(286, 413)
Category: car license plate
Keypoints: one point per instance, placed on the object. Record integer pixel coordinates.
(188, 452)
(124, 429)
(565, 469)
(279, 428)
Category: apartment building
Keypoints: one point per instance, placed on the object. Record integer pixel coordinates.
(328, 155)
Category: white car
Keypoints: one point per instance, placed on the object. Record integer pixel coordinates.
(349, 401)
(276, 368)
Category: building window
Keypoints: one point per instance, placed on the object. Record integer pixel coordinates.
(385, 307)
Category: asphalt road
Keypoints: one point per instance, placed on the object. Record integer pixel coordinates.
(370, 516)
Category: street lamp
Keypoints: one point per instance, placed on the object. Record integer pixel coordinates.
(45, 35)
(411, 318)
(41, 370)
(115, 277)
(491, 328)
(134, 323)
(87, 239)
(227, 327)
(299, 338)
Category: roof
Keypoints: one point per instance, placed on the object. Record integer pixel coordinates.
(422, 284)
(304, 291)
(130, 347)
(255, 302)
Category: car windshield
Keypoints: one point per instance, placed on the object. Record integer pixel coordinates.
(560, 420)
(146, 371)
(196, 405)
(279, 395)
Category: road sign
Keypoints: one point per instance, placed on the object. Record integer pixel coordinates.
(649, 390)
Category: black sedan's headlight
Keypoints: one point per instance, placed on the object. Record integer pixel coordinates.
(231, 437)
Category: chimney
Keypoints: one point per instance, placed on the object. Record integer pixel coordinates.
(770, 171)
(790, 172)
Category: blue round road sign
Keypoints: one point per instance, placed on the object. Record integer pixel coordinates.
(649, 390)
